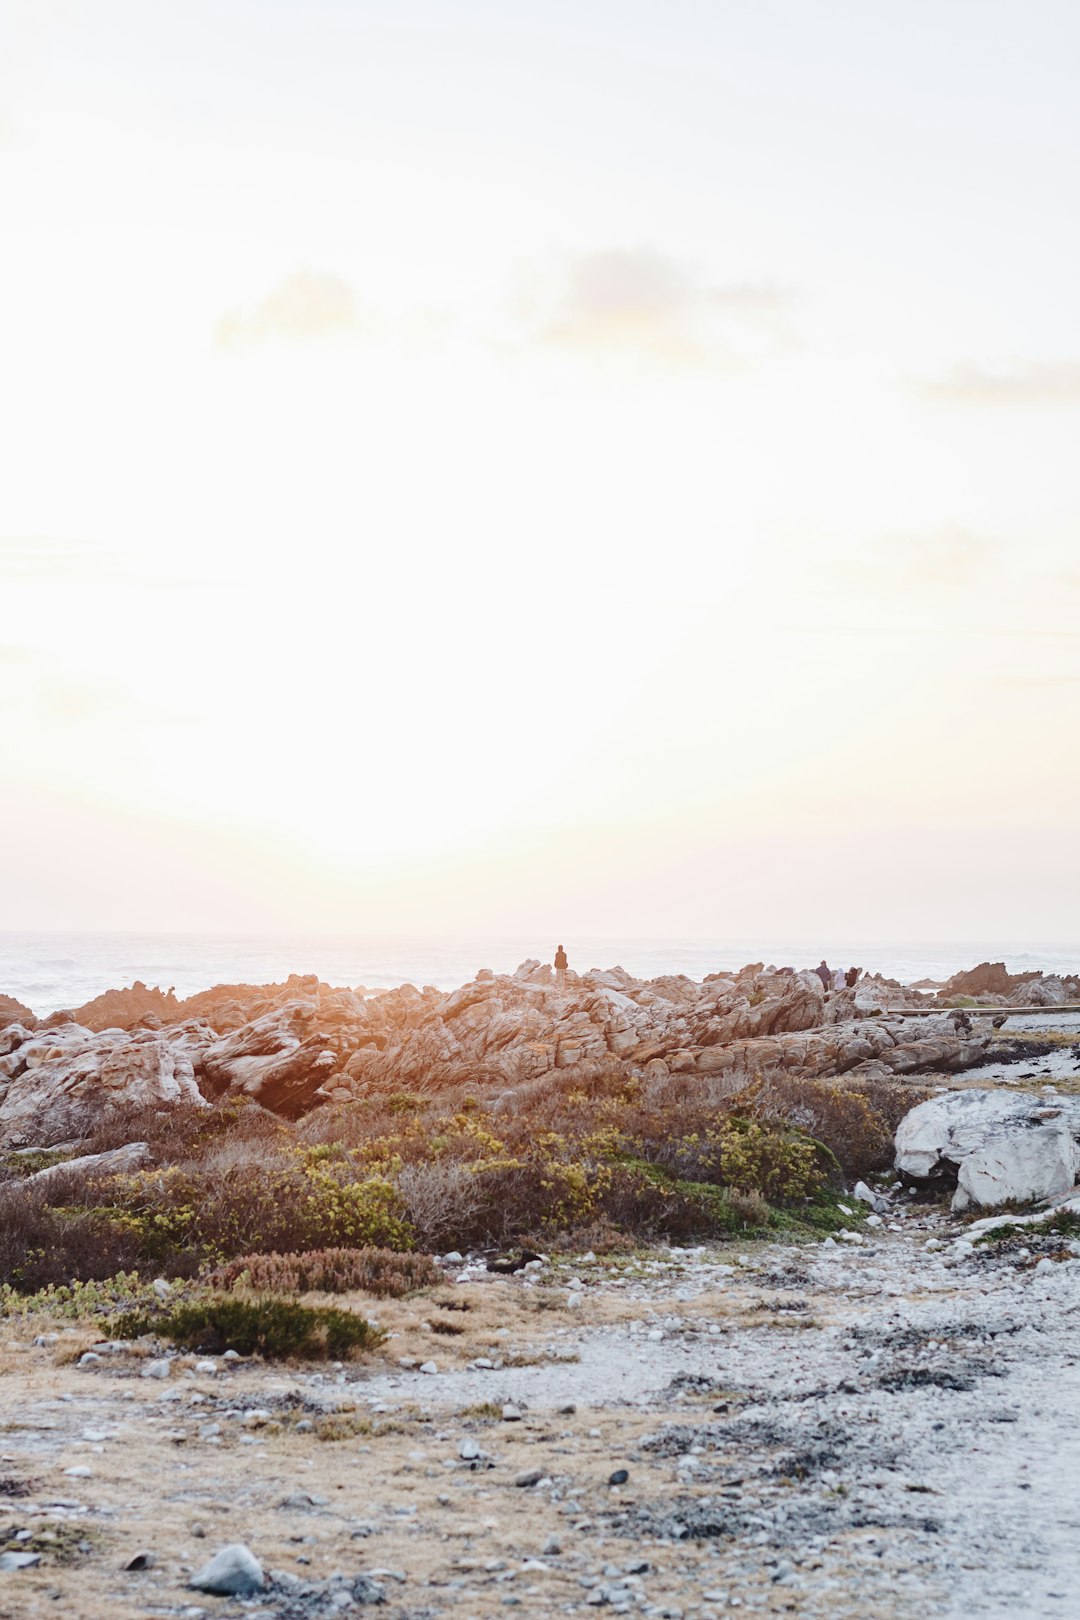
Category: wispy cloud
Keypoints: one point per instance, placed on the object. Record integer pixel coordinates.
(1018, 382)
(306, 307)
(641, 304)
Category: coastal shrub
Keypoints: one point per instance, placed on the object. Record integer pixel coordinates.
(274, 1328)
(855, 1120)
(41, 1244)
(80, 1301)
(383, 1272)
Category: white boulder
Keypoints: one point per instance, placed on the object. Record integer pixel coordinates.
(1005, 1147)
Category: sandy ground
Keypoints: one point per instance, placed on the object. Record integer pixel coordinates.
(859, 1429)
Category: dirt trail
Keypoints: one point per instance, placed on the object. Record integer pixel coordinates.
(848, 1430)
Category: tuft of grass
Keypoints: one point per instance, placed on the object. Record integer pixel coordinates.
(383, 1272)
(274, 1328)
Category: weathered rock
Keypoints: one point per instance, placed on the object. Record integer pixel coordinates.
(284, 1058)
(233, 1572)
(988, 979)
(129, 1157)
(1045, 990)
(1001, 1147)
(13, 1012)
(63, 1073)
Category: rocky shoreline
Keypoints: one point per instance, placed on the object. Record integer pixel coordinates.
(296, 1045)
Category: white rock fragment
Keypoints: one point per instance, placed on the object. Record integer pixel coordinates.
(233, 1572)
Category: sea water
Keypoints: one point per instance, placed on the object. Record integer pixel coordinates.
(49, 971)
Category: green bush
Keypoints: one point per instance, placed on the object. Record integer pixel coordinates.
(268, 1327)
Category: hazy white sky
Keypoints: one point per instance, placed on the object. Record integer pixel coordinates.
(605, 466)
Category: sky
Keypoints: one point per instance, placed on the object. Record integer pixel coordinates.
(607, 467)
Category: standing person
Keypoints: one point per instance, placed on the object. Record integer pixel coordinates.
(561, 965)
(851, 977)
(839, 979)
(824, 974)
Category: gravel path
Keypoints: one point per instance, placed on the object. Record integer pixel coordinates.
(856, 1429)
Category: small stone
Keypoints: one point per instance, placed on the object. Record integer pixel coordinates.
(233, 1572)
(141, 1560)
(619, 1477)
(161, 1288)
(552, 1547)
(158, 1368)
(16, 1560)
(206, 1369)
(532, 1476)
(429, 1366)
(874, 1220)
(511, 1413)
(231, 1355)
(469, 1450)
(82, 1472)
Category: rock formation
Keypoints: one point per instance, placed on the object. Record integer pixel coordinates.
(294, 1046)
(13, 1012)
(998, 1146)
(49, 1078)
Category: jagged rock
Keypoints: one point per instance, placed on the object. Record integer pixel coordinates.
(123, 1009)
(1044, 990)
(285, 1058)
(13, 1012)
(1001, 1147)
(870, 997)
(988, 979)
(55, 1074)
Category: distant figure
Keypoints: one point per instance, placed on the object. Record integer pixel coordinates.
(851, 977)
(561, 965)
(839, 979)
(824, 974)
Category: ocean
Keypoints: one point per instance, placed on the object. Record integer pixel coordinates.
(50, 971)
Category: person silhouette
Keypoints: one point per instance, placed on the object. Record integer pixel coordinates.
(561, 965)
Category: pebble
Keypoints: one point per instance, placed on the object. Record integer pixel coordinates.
(531, 1476)
(619, 1477)
(429, 1366)
(17, 1560)
(141, 1560)
(159, 1368)
(511, 1413)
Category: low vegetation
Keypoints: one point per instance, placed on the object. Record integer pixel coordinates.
(356, 1196)
(273, 1328)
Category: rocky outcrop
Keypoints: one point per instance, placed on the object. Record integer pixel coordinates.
(292, 1047)
(13, 1012)
(988, 979)
(871, 997)
(48, 1078)
(123, 1009)
(1046, 990)
(998, 1147)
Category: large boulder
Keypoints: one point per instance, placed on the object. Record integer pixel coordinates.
(54, 1077)
(998, 1146)
(286, 1059)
